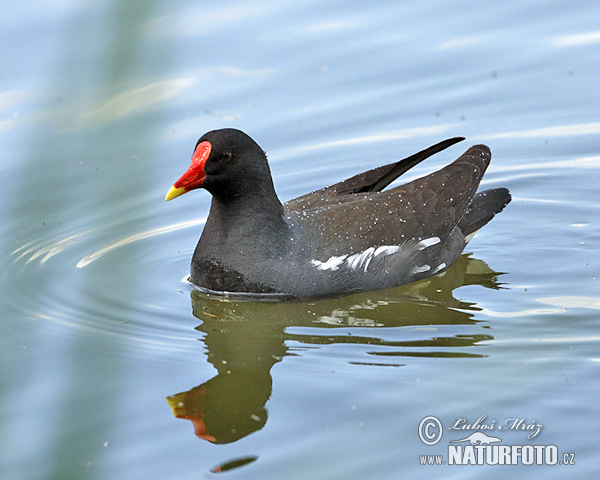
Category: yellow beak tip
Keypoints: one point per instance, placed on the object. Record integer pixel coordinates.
(174, 193)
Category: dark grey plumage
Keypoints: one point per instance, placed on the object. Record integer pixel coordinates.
(351, 236)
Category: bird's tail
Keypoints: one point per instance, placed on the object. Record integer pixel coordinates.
(484, 206)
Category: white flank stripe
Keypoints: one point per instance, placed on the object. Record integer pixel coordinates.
(441, 266)
(357, 261)
(332, 264)
(421, 269)
(361, 260)
(386, 250)
(428, 242)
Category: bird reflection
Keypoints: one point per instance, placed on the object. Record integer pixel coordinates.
(245, 339)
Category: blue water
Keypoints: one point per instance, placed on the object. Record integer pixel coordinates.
(103, 344)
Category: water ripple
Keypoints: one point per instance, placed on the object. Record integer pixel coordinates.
(85, 261)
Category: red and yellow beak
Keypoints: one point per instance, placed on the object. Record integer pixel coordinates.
(194, 176)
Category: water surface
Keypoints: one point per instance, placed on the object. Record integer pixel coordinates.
(112, 366)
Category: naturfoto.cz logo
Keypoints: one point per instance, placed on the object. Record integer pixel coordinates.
(481, 448)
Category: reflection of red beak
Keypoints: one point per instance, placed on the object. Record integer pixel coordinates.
(194, 176)
(195, 414)
(200, 429)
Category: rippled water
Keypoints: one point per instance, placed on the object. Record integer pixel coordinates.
(113, 366)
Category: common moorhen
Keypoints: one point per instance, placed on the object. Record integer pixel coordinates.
(347, 237)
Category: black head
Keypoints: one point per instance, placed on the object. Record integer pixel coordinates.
(227, 163)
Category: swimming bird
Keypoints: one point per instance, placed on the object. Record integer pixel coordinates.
(348, 237)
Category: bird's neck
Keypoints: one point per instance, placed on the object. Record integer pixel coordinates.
(254, 223)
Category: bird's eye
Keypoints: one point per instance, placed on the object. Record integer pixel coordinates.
(226, 157)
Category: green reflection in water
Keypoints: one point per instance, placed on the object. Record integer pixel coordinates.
(244, 340)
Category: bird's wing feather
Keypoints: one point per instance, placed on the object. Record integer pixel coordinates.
(376, 179)
(428, 207)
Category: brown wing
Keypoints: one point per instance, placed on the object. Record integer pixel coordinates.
(376, 179)
(430, 206)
